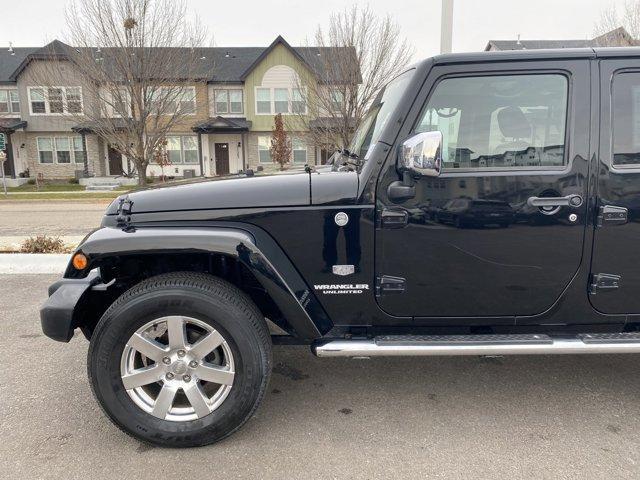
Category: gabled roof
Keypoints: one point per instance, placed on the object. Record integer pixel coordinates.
(278, 41)
(53, 50)
(10, 60)
(218, 64)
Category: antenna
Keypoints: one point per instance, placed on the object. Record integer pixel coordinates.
(11, 48)
(518, 42)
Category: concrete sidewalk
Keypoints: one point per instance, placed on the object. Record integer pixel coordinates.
(24, 263)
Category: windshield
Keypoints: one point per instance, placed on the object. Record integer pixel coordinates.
(379, 114)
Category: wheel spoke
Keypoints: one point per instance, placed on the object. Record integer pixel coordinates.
(176, 332)
(197, 399)
(149, 348)
(142, 376)
(164, 401)
(207, 344)
(215, 374)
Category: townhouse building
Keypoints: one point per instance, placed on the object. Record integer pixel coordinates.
(227, 130)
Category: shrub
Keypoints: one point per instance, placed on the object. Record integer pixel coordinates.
(43, 244)
(74, 181)
(31, 181)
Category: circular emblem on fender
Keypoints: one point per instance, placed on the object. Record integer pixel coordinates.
(341, 219)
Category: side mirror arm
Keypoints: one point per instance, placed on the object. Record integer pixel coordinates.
(401, 190)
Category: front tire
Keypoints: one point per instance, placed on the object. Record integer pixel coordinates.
(180, 360)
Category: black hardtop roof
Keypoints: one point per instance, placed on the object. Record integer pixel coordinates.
(542, 54)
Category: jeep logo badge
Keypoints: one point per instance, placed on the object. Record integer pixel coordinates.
(341, 219)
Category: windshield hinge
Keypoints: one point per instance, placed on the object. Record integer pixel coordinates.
(604, 281)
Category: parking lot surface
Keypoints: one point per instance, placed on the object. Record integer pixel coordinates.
(563, 417)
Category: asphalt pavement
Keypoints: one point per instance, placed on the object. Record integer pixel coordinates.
(563, 417)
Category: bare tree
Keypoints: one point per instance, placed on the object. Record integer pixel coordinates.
(351, 60)
(615, 29)
(139, 61)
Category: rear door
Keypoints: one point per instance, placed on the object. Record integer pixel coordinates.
(513, 134)
(615, 265)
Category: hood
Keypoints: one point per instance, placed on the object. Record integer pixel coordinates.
(279, 190)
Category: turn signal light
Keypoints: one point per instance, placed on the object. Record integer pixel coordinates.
(79, 261)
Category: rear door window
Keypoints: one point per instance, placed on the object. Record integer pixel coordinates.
(625, 110)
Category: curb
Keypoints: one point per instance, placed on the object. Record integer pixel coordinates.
(24, 263)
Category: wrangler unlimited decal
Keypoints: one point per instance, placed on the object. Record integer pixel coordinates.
(344, 288)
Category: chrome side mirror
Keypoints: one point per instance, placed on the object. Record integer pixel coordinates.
(422, 154)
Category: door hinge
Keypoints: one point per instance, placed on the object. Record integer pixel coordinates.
(611, 215)
(604, 281)
(386, 284)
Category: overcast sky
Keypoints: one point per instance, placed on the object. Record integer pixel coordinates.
(258, 22)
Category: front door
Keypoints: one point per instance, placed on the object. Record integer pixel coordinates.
(616, 239)
(222, 158)
(479, 241)
(115, 161)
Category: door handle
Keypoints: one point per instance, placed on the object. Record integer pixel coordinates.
(568, 201)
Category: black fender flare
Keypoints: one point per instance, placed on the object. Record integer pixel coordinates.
(271, 267)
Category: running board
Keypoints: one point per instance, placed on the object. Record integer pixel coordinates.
(438, 345)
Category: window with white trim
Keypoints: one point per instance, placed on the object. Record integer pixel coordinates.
(228, 101)
(284, 100)
(45, 150)
(299, 150)
(182, 149)
(9, 102)
(264, 149)
(78, 150)
(55, 100)
(281, 100)
(37, 103)
(263, 101)
(62, 150)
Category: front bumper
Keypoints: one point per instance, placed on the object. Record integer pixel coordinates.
(56, 314)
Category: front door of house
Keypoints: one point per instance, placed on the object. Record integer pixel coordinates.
(222, 158)
(115, 161)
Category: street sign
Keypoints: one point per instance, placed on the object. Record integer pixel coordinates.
(3, 141)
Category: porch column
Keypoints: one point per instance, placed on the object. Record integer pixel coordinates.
(10, 167)
(200, 154)
(85, 172)
(242, 139)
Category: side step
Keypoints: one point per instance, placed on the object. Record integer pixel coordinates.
(437, 345)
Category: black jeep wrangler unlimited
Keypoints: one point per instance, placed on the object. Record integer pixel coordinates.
(488, 204)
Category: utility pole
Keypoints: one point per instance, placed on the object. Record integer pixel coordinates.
(446, 27)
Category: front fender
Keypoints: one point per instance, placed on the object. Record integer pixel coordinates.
(271, 267)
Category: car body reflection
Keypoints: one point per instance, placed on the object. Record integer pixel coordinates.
(467, 212)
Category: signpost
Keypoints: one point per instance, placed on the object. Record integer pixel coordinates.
(3, 157)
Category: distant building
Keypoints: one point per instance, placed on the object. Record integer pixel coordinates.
(618, 37)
